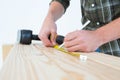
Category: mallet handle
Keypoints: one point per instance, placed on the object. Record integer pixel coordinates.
(35, 37)
(59, 38)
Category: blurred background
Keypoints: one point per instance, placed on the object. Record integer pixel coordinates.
(29, 14)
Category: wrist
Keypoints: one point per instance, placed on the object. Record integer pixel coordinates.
(101, 36)
(56, 10)
(110, 31)
(50, 17)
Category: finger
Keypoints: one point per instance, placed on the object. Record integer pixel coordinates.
(72, 42)
(45, 40)
(80, 48)
(71, 36)
(53, 37)
(76, 48)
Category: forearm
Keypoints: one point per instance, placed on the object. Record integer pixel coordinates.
(56, 10)
(110, 32)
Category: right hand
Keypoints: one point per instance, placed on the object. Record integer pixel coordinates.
(48, 28)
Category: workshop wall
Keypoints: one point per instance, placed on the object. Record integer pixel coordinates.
(29, 14)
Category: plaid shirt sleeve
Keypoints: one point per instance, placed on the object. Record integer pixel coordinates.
(65, 3)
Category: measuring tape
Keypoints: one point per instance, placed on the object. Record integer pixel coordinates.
(65, 51)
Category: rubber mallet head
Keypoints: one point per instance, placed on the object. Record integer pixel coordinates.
(26, 36)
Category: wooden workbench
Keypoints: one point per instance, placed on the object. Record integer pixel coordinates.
(36, 62)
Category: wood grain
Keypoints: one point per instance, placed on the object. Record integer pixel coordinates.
(5, 50)
(36, 62)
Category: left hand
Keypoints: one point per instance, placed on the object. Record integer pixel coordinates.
(82, 40)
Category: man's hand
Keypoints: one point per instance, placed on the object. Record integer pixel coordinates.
(82, 40)
(48, 29)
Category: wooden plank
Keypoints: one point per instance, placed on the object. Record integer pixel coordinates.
(5, 50)
(36, 62)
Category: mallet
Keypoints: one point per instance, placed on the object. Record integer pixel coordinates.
(26, 36)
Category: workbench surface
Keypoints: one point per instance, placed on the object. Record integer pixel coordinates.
(37, 62)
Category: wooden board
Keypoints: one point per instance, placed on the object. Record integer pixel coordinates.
(36, 62)
(5, 50)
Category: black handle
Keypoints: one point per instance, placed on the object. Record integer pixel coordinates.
(59, 38)
(35, 37)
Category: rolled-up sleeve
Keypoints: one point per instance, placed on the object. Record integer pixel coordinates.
(65, 3)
